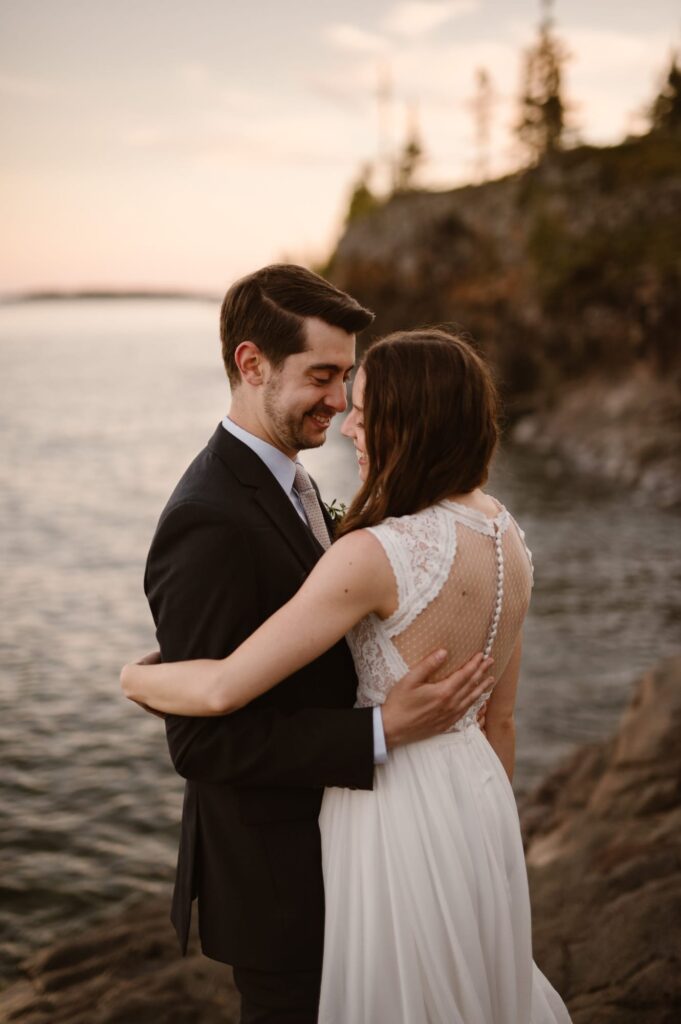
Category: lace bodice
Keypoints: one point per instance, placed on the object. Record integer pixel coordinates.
(463, 583)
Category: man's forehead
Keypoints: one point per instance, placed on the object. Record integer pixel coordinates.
(327, 347)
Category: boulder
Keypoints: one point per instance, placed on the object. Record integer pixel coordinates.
(603, 846)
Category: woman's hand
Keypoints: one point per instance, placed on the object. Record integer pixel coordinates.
(150, 659)
(176, 687)
(154, 658)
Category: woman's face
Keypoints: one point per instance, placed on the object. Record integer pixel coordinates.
(353, 425)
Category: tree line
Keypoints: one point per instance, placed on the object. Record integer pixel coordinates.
(543, 126)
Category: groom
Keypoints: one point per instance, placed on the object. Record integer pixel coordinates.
(240, 533)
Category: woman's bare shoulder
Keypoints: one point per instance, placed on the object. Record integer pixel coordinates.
(359, 556)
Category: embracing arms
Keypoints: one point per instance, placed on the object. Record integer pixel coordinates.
(351, 580)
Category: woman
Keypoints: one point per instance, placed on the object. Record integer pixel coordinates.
(427, 909)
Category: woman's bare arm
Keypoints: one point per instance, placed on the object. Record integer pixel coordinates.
(500, 721)
(352, 579)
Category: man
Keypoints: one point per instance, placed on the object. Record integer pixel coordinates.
(240, 533)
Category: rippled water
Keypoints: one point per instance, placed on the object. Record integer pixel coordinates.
(103, 404)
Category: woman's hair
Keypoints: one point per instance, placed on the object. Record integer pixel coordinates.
(430, 417)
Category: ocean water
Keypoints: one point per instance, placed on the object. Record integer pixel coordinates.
(103, 405)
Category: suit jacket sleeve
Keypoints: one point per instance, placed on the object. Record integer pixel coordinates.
(202, 591)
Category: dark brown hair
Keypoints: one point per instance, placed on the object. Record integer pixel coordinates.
(430, 416)
(269, 308)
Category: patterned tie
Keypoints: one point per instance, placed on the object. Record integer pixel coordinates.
(311, 506)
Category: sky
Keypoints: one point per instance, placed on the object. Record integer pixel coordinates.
(168, 144)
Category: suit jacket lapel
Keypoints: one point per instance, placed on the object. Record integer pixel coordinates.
(252, 472)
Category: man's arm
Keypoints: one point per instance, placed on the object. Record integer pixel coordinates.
(202, 589)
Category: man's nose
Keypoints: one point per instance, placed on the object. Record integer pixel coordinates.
(337, 398)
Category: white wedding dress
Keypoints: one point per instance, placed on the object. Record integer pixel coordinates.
(427, 905)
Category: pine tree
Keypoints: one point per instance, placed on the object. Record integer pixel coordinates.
(541, 125)
(481, 106)
(362, 199)
(665, 113)
(411, 158)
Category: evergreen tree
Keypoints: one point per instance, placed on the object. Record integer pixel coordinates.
(411, 158)
(362, 199)
(541, 125)
(481, 106)
(665, 113)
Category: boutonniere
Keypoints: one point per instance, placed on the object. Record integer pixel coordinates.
(336, 510)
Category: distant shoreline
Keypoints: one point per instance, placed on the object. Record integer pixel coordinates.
(103, 293)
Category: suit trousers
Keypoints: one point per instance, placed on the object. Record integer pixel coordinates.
(278, 997)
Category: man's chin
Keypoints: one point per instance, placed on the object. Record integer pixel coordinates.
(312, 440)
(312, 435)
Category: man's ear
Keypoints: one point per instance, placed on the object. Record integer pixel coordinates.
(251, 363)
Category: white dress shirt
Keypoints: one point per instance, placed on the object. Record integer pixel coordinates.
(283, 470)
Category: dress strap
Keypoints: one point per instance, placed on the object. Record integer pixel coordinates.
(521, 534)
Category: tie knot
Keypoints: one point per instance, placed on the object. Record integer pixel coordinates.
(302, 482)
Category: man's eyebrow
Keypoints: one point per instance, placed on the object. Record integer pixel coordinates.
(333, 367)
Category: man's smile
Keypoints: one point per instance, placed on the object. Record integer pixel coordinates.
(320, 420)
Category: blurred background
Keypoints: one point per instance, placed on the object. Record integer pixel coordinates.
(512, 168)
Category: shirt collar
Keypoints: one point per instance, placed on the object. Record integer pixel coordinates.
(280, 466)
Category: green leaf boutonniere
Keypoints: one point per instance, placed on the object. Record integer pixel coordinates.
(336, 510)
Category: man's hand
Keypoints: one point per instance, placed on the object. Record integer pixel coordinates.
(417, 707)
(154, 658)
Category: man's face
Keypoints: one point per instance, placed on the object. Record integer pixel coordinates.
(301, 397)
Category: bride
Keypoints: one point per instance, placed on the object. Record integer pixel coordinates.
(427, 906)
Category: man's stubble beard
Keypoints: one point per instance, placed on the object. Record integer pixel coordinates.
(288, 427)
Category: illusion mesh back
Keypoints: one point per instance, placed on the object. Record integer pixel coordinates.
(459, 618)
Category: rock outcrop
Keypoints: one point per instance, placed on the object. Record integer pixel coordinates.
(603, 835)
(604, 859)
(127, 970)
(569, 277)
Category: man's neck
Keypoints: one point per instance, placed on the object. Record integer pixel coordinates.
(248, 420)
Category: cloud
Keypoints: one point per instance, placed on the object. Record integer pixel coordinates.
(611, 77)
(419, 17)
(25, 88)
(358, 40)
(194, 74)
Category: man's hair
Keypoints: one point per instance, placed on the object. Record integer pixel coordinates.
(431, 420)
(269, 308)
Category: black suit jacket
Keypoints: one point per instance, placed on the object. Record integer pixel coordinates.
(228, 551)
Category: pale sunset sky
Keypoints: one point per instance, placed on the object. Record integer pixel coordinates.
(169, 143)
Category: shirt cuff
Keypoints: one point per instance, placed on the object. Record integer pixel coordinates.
(380, 748)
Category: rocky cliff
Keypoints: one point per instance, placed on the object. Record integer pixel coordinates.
(603, 835)
(569, 277)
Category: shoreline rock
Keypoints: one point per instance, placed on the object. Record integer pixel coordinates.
(603, 847)
(626, 432)
(603, 836)
(125, 970)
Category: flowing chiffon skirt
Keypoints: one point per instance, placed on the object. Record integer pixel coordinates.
(427, 904)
